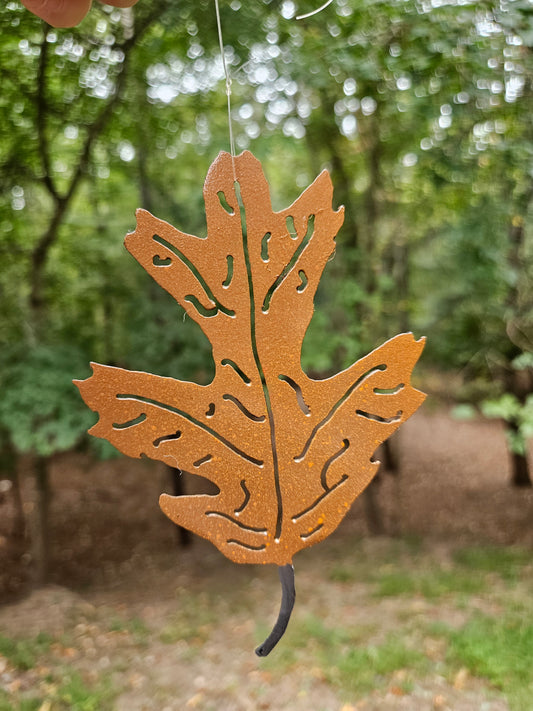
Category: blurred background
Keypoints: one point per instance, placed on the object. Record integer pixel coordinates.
(422, 111)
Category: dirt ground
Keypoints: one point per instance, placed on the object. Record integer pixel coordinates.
(114, 553)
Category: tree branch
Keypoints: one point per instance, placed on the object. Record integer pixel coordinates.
(62, 201)
(42, 108)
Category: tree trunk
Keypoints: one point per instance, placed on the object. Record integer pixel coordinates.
(373, 515)
(41, 533)
(9, 470)
(389, 458)
(18, 530)
(520, 474)
(178, 489)
(519, 384)
(520, 470)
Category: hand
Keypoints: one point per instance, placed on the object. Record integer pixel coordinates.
(67, 13)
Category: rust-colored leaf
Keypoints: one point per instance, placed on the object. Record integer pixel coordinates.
(289, 454)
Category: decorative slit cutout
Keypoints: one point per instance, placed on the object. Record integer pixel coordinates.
(304, 281)
(194, 421)
(335, 407)
(203, 460)
(297, 253)
(246, 498)
(377, 418)
(389, 391)
(225, 204)
(229, 273)
(243, 408)
(317, 528)
(320, 498)
(264, 247)
(166, 438)
(159, 261)
(329, 462)
(304, 407)
(130, 423)
(217, 306)
(204, 311)
(210, 410)
(251, 529)
(239, 371)
(291, 228)
(246, 545)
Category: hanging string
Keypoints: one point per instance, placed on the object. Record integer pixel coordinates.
(228, 89)
(314, 12)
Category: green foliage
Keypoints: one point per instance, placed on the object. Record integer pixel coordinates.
(498, 649)
(509, 408)
(39, 407)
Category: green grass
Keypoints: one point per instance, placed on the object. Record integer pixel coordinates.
(8, 704)
(191, 622)
(343, 654)
(133, 626)
(499, 649)
(430, 584)
(66, 689)
(75, 695)
(23, 653)
(342, 574)
(363, 668)
(508, 563)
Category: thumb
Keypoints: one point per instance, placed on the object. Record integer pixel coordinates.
(120, 3)
(59, 13)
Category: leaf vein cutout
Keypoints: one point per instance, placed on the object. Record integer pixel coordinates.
(229, 272)
(259, 365)
(390, 391)
(247, 496)
(130, 423)
(289, 267)
(336, 406)
(205, 311)
(314, 530)
(262, 547)
(304, 407)
(202, 460)
(251, 529)
(166, 438)
(377, 418)
(243, 408)
(242, 375)
(329, 462)
(194, 421)
(321, 498)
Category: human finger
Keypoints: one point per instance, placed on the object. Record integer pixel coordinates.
(60, 13)
(120, 3)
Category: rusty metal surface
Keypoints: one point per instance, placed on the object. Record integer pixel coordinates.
(288, 454)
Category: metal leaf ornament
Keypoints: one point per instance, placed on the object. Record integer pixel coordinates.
(288, 453)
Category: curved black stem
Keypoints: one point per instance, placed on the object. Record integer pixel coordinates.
(288, 596)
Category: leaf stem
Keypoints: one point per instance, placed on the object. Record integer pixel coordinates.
(288, 596)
